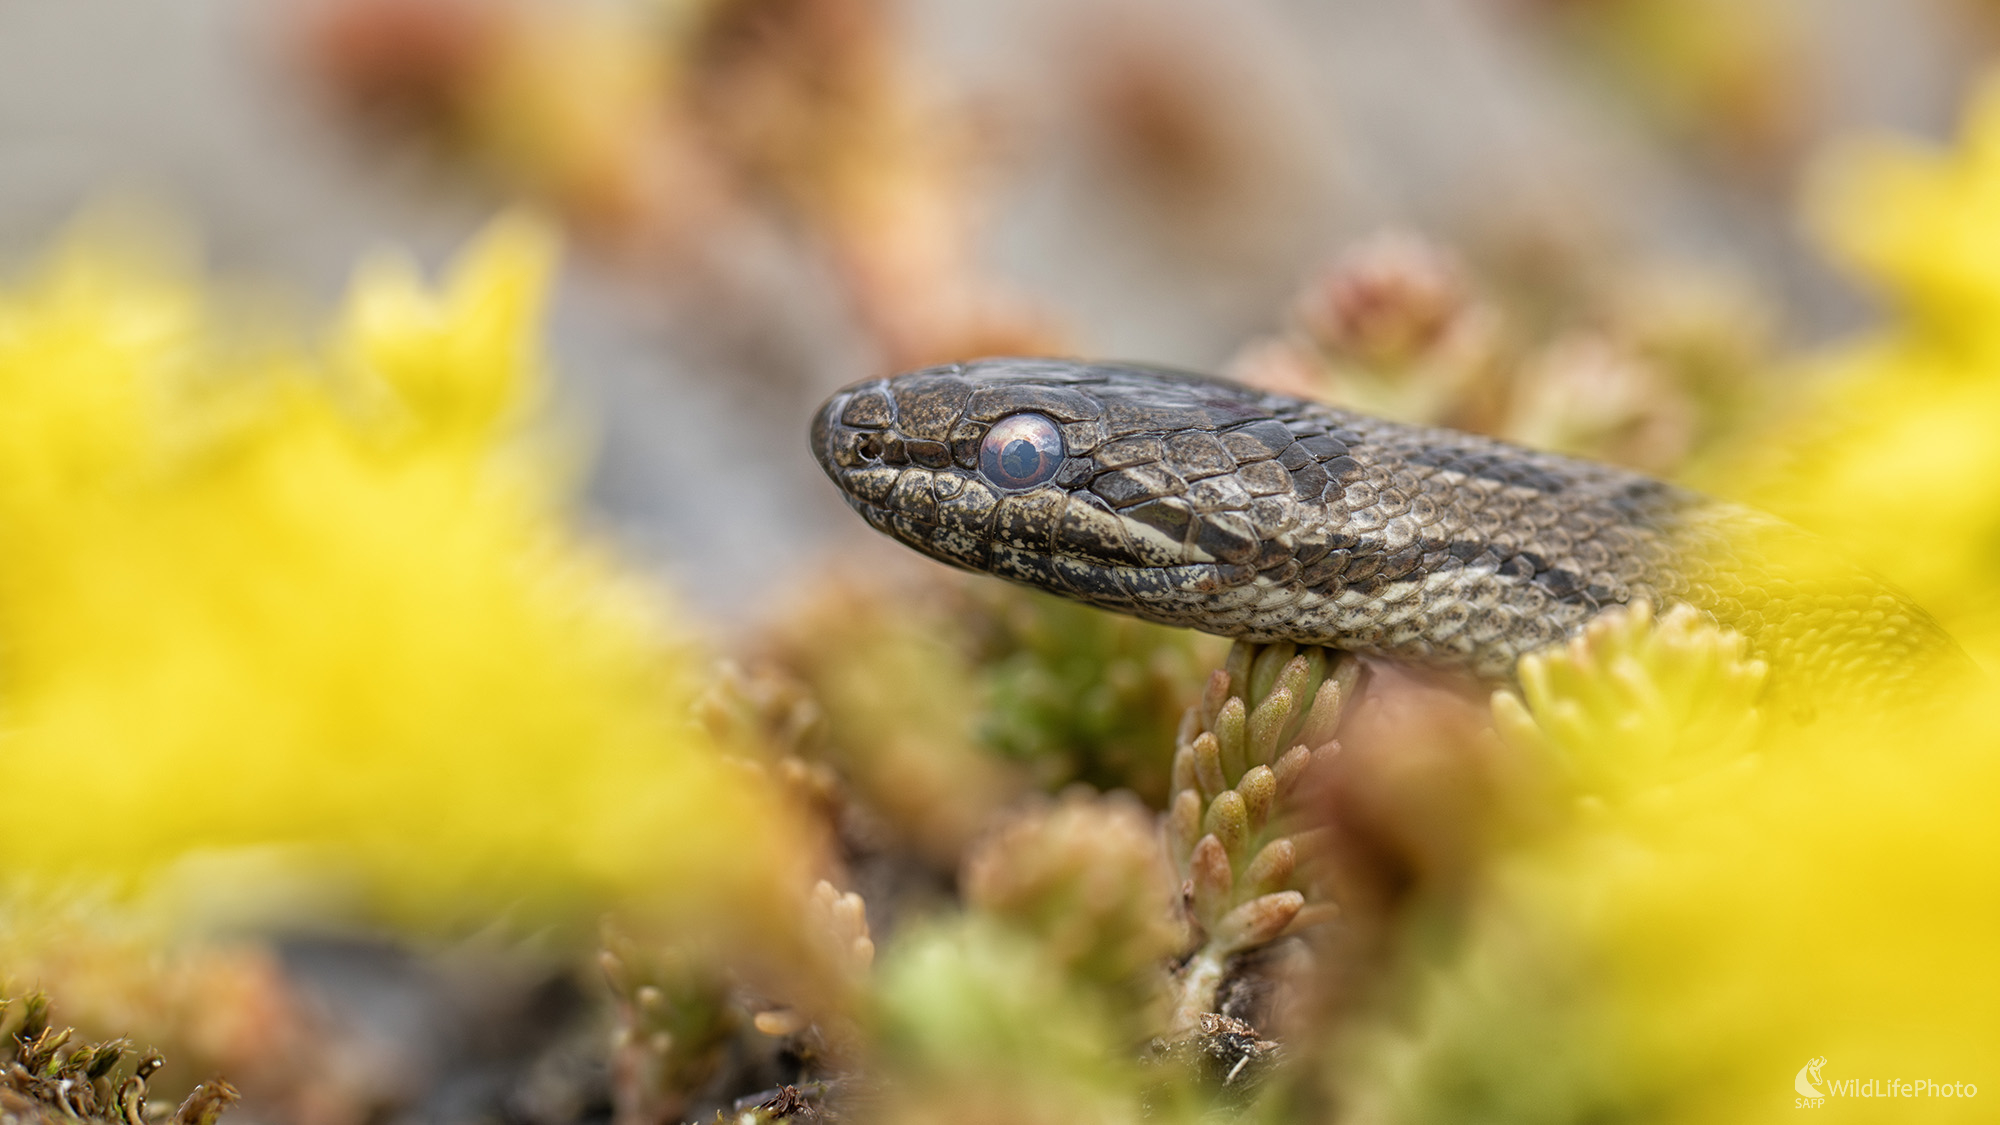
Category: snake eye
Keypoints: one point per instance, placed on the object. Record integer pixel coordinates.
(1021, 452)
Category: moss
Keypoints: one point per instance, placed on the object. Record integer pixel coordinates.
(46, 1077)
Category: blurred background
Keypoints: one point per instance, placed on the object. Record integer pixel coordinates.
(1151, 181)
(433, 670)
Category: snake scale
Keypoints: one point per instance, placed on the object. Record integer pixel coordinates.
(1200, 502)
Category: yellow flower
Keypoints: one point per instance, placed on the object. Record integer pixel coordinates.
(328, 611)
(1631, 702)
(1890, 449)
(1758, 899)
(1918, 222)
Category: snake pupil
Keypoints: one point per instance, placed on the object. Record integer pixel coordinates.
(1021, 458)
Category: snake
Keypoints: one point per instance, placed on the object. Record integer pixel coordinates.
(1199, 502)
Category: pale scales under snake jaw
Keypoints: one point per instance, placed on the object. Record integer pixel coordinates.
(1203, 503)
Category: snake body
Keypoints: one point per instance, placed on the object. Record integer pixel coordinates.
(1199, 502)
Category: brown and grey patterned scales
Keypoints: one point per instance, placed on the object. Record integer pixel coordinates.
(1199, 502)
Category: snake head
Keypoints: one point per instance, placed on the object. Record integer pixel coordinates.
(1147, 491)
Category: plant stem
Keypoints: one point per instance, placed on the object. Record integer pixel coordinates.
(1200, 978)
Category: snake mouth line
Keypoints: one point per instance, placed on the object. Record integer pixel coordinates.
(1083, 576)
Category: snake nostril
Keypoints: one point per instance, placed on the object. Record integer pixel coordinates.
(871, 447)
